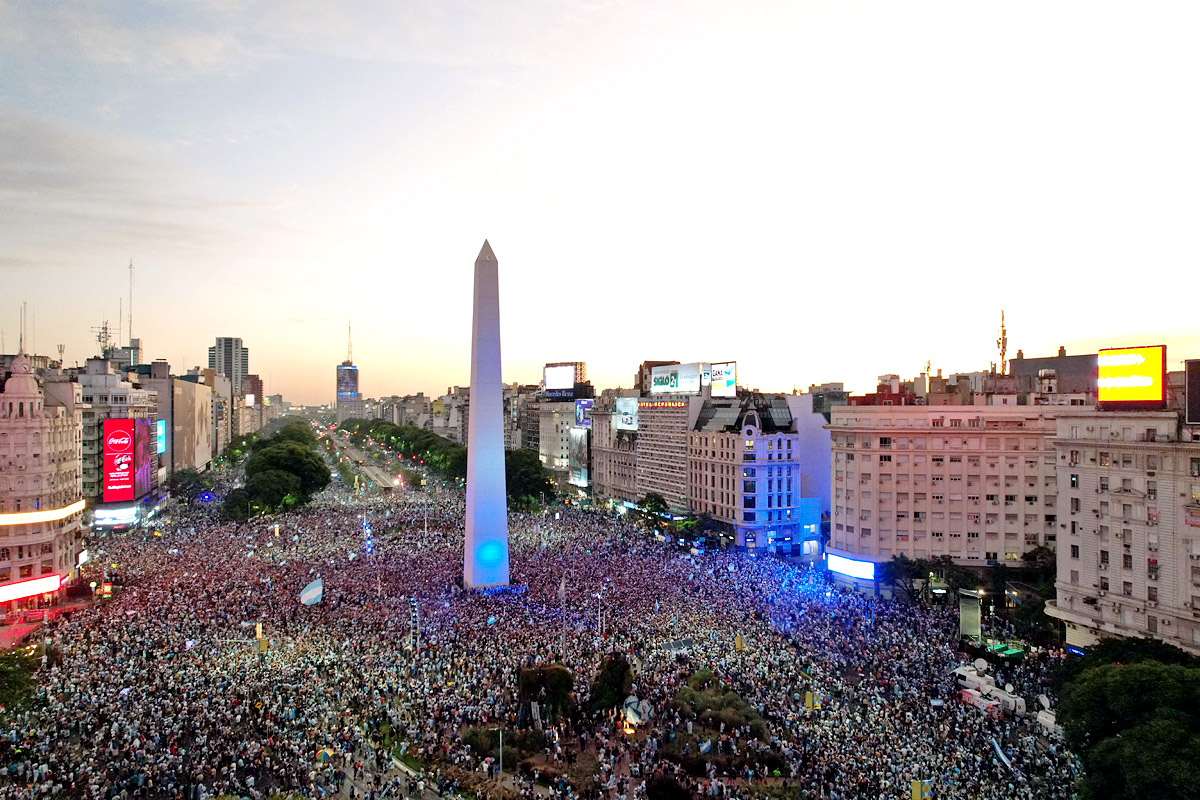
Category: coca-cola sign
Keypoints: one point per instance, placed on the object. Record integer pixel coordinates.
(119, 440)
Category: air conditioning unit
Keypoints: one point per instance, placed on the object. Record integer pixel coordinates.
(1193, 556)
(1102, 593)
(1151, 604)
(1103, 566)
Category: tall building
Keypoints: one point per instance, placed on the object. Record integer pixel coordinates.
(614, 448)
(185, 417)
(229, 358)
(349, 399)
(976, 483)
(555, 420)
(664, 423)
(744, 468)
(41, 506)
(107, 395)
(1129, 527)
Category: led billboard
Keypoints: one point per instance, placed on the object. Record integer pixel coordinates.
(118, 456)
(250, 401)
(676, 379)
(1132, 377)
(145, 458)
(724, 379)
(578, 457)
(626, 416)
(160, 437)
(1191, 388)
(347, 382)
(562, 377)
(583, 413)
(863, 570)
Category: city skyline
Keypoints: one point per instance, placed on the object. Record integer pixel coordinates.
(820, 192)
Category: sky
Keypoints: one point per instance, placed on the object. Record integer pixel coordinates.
(822, 191)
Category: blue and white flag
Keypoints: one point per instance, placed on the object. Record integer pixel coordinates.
(311, 595)
(705, 746)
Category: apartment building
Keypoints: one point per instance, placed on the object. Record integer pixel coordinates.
(1129, 527)
(976, 483)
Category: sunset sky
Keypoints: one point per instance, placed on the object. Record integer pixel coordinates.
(821, 191)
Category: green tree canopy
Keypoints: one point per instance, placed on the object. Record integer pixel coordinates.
(524, 475)
(188, 484)
(613, 682)
(297, 459)
(273, 489)
(1137, 729)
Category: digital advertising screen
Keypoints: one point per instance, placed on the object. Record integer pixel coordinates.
(250, 399)
(347, 382)
(676, 379)
(160, 437)
(1132, 377)
(851, 567)
(578, 457)
(562, 377)
(119, 454)
(724, 379)
(626, 418)
(583, 413)
(145, 457)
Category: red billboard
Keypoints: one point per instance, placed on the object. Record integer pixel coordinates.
(120, 454)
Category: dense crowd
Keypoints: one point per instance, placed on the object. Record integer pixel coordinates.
(162, 691)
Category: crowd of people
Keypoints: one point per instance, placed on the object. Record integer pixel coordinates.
(165, 691)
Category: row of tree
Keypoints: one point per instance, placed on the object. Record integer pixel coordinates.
(282, 471)
(526, 478)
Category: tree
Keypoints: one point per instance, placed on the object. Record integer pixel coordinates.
(297, 459)
(298, 431)
(903, 573)
(188, 484)
(1121, 651)
(236, 505)
(17, 684)
(524, 475)
(613, 682)
(654, 503)
(273, 488)
(665, 787)
(1136, 728)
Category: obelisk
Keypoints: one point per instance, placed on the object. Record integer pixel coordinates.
(485, 556)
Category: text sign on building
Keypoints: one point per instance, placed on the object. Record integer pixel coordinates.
(724, 379)
(1191, 371)
(1132, 376)
(626, 416)
(676, 379)
(583, 413)
(119, 460)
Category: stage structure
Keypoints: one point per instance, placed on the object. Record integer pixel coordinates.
(485, 555)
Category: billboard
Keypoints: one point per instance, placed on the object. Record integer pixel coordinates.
(145, 459)
(852, 567)
(250, 401)
(562, 377)
(439, 409)
(347, 382)
(1132, 377)
(579, 457)
(724, 379)
(118, 457)
(676, 379)
(583, 413)
(626, 418)
(160, 437)
(1191, 387)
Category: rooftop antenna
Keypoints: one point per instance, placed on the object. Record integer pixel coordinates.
(349, 345)
(130, 304)
(120, 317)
(103, 338)
(928, 364)
(61, 349)
(1002, 344)
(21, 340)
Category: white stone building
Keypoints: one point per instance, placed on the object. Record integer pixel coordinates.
(977, 483)
(1129, 527)
(41, 505)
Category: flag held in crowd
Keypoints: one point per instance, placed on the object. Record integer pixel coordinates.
(311, 595)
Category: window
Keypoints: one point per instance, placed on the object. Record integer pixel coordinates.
(1105, 460)
(1103, 556)
(1074, 505)
(1152, 594)
(1074, 551)
(748, 516)
(1195, 470)
(1074, 481)
(1127, 561)
(885, 441)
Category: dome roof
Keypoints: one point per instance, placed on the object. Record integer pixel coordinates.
(22, 382)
